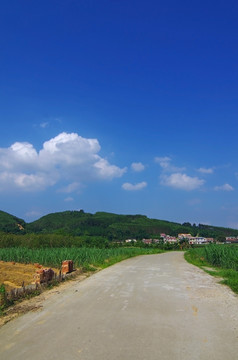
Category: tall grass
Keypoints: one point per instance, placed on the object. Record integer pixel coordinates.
(82, 257)
(223, 257)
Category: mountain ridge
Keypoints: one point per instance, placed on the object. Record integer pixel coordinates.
(107, 225)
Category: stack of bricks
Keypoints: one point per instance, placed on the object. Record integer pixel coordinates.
(67, 266)
(44, 275)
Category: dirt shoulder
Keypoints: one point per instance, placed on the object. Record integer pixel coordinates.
(36, 303)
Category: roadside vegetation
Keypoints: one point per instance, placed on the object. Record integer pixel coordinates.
(218, 260)
(86, 258)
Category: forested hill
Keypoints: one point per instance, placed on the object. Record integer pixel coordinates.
(107, 225)
(11, 224)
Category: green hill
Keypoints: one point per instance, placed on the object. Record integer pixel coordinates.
(103, 225)
(119, 227)
(11, 224)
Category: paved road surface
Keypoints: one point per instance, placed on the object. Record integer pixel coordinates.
(153, 307)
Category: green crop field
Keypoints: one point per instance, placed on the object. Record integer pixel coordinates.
(82, 257)
(224, 256)
(224, 259)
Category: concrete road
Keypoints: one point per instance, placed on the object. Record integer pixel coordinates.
(151, 307)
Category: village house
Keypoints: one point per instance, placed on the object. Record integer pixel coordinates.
(231, 239)
(197, 240)
(170, 239)
(147, 241)
(130, 240)
(210, 240)
(184, 236)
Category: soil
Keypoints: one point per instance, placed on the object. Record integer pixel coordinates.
(35, 303)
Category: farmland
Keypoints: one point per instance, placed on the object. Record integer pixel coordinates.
(17, 264)
(82, 257)
(224, 256)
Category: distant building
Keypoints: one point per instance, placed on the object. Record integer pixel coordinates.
(231, 239)
(170, 239)
(197, 240)
(130, 240)
(210, 240)
(147, 241)
(184, 236)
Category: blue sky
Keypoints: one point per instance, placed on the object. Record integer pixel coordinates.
(121, 106)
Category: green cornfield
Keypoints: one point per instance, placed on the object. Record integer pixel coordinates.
(82, 257)
(223, 255)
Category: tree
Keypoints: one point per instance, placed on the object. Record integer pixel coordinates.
(221, 238)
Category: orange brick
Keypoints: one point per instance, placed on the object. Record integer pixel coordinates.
(67, 266)
(44, 275)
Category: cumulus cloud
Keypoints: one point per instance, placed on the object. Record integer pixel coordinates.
(137, 166)
(181, 181)
(225, 187)
(75, 186)
(206, 170)
(105, 170)
(67, 157)
(134, 187)
(165, 163)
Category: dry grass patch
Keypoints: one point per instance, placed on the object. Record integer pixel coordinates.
(12, 274)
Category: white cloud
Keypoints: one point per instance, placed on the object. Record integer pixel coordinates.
(206, 170)
(181, 181)
(107, 171)
(26, 182)
(137, 166)
(134, 187)
(225, 187)
(35, 181)
(75, 186)
(67, 157)
(165, 163)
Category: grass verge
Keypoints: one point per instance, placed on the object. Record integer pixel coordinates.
(197, 257)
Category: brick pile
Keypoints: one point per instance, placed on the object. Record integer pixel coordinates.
(67, 266)
(44, 275)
